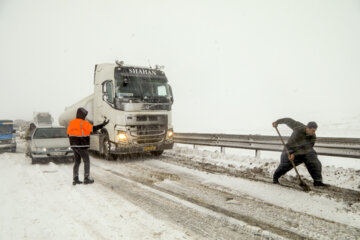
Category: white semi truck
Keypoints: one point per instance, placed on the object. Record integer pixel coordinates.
(137, 101)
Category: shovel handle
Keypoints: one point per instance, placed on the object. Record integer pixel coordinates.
(282, 140)
(288, 153)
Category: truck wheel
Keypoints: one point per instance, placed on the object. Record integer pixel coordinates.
(106, 149)
(157, 153)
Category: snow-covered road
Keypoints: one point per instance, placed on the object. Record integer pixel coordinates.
(171, 197)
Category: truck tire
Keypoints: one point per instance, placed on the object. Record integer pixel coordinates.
(157, 153)
(105, 149)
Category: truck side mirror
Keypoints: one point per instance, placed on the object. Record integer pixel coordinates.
(107, 87)
(171, 94)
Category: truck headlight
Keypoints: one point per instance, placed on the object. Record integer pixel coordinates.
(170, 133)
(121, 136)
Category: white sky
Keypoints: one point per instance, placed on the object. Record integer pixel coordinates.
(234, 66)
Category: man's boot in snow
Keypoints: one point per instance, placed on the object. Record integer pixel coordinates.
(77, 181)
(88, 180)
(320, 184)
(276, 180)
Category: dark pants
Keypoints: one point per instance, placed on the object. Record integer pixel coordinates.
(84, 154)
(310, 159)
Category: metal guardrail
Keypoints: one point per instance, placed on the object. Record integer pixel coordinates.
(338, 147)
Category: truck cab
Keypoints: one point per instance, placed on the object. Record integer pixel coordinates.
(138, 102)
(7, 137)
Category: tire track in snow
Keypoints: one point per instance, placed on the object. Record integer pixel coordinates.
(231, 219)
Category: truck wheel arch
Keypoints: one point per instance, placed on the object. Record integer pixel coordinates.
(105, 138)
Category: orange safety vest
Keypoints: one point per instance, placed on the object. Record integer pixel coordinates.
(79, 128)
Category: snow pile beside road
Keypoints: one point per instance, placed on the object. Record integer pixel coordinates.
(341, 177)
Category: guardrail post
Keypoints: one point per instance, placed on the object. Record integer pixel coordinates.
(222, 150)
(257, 153)
(195, 147)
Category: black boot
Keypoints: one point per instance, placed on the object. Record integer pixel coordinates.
(320, 184)
(77, 181)
(88, 180)
(276, 180)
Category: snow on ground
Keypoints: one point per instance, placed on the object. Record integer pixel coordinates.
(39, 202)
(296, 200)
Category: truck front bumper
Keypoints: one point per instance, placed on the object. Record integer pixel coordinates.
(126, 149)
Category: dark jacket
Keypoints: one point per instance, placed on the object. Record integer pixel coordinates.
(299, 143)
(83, 141)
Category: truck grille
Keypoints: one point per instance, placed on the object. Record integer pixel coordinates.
(143, 134)
(147, 128)
(146, 119)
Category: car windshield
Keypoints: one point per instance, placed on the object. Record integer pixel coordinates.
(50, 133)
(141, 87)
(5, 129)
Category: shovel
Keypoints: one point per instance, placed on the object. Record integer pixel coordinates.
(302, 184)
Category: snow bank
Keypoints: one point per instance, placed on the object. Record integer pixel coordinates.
(338, 176)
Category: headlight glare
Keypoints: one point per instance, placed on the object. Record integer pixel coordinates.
(40, 149)
(121, 136)
(170, 133)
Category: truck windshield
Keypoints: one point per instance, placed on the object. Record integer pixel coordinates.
(138, 87)
(5, 129)
(50, 133)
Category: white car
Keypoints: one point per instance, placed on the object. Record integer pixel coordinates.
(50, 144)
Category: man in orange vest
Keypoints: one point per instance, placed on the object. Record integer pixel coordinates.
(79, 134)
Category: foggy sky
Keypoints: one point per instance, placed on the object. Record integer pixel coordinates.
(234, 66)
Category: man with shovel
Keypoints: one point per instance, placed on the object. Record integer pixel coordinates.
(299, 149)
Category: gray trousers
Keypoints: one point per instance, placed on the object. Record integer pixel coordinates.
(310, 159)
(84, 154)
